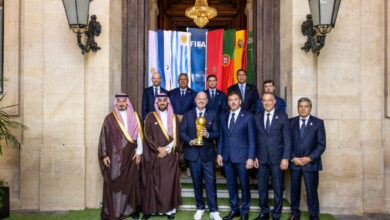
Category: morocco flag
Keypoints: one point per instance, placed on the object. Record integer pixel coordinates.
(214, 55)
(228, 59)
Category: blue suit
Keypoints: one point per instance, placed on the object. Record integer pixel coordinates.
(280, 105)
(250, 98)
(311, 144)
(201, 159)
(218, 104)
(272, 147)
(181, 104)
(148, 100)
(236, 145)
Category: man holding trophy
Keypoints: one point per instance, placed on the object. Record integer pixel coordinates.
(198, 129)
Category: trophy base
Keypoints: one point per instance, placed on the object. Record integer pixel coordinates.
(199, 143)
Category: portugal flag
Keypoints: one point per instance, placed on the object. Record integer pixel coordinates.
(228, 59)
(214, 55)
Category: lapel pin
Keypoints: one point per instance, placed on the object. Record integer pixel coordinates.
(155, 123)
(311, 123)
(276, 117)
(242, 115)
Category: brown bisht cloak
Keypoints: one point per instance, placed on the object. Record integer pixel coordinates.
(121, 189)
(161, 188)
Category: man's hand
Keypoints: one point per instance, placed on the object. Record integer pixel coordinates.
(106, 161)
(162, 152)
(220, 161)
(137, 158)
(204, 132)
(305, 160)
(249, 164)
(256, 164)
(284, 164)
(297, 161)
(180, 117)
(192, 142)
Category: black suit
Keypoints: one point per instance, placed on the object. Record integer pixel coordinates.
(250, 98)
(148, 100)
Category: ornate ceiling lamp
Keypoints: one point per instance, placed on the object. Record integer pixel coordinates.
(201, 13)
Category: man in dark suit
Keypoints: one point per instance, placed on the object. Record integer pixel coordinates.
(236, 151)
(201, 158)
(150, 94)
(308, 144)
(248, 92)
(217, 99)
(183, 97)
(273, 151)
(280, 105)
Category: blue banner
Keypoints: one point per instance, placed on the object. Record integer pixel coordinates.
(160, 56)
(198, 58)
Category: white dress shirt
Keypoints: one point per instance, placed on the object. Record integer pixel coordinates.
(236, 113)
(183, 90)
(164, 120)
(301, 122)
(270, 117)
(158, 89)
(139, 150)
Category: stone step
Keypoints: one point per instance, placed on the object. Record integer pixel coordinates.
(223, 204)
(221, 193)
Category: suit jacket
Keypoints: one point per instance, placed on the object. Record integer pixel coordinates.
(148, 100)
(188, 133)
(182, 104)
(275, 145)
(218, 104)
(238, 143)
(251, 96)
(280, 105)
(312, 144)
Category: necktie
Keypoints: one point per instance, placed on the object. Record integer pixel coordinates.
(242, 93)
(200, 114)
(182, 93)
(155, 93)
(267, 123)
(231, 121)
(302, 127)
(212, 94)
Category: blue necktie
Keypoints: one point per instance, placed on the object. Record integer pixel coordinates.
(267, 123)
(182, 93)
(242, 93)
(212, 94)
(200, 114)
(155, 93)
(231, 121)
(302, 127)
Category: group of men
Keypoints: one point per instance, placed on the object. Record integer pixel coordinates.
(140, 160)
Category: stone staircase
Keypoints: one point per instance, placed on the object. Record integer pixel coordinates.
(189, 202)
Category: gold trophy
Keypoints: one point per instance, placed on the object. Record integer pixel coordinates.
(200, 124)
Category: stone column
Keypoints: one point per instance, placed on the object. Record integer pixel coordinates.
(153, 13)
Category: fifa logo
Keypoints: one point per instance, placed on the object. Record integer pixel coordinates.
(198, 44)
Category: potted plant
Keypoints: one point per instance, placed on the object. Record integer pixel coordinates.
(7, 125)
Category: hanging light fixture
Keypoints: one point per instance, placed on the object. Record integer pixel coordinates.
(201, 13)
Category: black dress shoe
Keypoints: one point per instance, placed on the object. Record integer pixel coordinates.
(275, 218)
(244, 217)
(262, 217)
(232, 215)
(144, 217)
(294, 217)
(170, 217)
(101, 218)
(135, 215)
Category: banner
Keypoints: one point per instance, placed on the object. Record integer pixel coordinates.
(153, 64)
(198, 58)
(214, 55)
(238, 51)
(228, 59)
(167, 60)
(160, 58)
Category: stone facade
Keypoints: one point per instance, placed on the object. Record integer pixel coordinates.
(63, 98)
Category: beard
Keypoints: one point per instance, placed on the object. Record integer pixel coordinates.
(162, 108)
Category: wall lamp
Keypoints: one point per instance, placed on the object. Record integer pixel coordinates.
(77, 12)
(320, 22)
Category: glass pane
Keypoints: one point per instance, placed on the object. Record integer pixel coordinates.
(70, 9)
(315, 11)
(336, 11)
(326, 9)
(82, 12)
